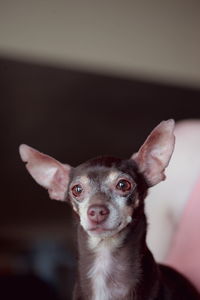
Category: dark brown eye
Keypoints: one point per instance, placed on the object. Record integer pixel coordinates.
(77, 190)
(123, 185)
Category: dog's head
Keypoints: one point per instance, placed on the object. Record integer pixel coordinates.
(105, 191)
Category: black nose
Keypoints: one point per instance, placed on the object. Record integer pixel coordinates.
(98, 213)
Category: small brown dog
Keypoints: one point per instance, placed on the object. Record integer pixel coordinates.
(108, 195)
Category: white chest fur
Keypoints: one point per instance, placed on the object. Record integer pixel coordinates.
(99, 274)
(102, 274)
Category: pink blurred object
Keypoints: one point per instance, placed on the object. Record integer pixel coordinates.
(184, 254)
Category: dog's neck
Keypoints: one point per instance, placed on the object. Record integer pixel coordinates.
(111, 268)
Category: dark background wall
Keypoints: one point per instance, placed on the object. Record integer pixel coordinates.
(71, 115)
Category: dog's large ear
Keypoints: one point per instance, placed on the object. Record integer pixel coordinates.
(48, 172)
(154, 155)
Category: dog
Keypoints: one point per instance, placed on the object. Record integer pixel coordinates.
(107, 195)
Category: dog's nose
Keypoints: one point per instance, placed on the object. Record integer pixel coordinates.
(98, 213)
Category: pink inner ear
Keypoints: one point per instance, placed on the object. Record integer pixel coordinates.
(154, 155)
(46, 171)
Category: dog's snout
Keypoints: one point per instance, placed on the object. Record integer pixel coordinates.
(98, 213)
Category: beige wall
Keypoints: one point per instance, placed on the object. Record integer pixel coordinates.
(154, 39)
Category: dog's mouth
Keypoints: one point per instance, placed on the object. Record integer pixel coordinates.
(99, 229)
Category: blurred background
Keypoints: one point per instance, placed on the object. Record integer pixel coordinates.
(79, 79)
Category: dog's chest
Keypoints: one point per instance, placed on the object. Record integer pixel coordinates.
(107, 275)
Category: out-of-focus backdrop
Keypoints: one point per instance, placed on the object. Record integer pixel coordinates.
(79, 79)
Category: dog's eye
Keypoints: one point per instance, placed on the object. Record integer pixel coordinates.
(77, 190)
(123, 185)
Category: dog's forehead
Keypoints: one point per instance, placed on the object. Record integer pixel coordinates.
(103, 168)
(96, 174)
